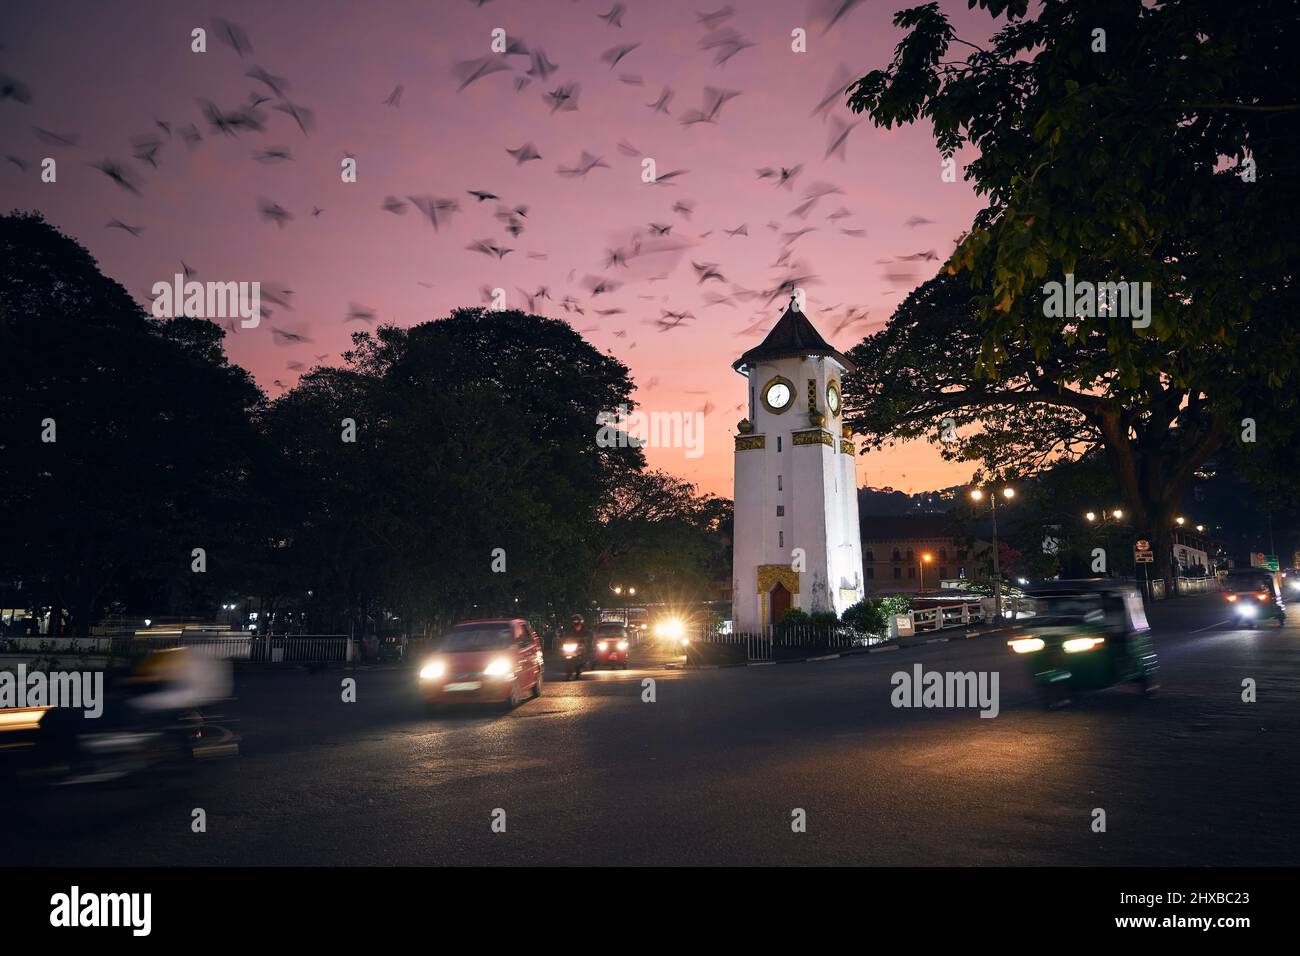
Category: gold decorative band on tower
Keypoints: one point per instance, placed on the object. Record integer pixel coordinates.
(813, 436)
(750, 442)
(771, 574)
(846, 446)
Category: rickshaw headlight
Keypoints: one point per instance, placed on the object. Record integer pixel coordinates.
(1076, 645)
(1026, 645)
(622, 645)
(602, 645)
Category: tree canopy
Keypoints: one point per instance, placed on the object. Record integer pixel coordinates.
(444, 470)
(1117, 141)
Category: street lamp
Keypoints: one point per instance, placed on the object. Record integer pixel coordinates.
(630, 593)
(978, 495)
(925, 559)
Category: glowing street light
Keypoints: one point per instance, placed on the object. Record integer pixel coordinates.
(925, 559)
(978, 495)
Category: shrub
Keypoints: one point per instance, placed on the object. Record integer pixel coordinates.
(795, 617)
(825, 619)
(866, 617)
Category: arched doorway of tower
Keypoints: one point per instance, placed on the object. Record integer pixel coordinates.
(779, 601)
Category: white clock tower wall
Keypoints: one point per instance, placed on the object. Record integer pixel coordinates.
(795, 485)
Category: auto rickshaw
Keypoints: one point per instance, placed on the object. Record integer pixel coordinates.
(1085, 635)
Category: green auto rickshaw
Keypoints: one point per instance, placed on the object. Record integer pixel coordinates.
(1085, 635)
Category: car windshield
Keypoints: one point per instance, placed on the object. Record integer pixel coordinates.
(611, 630)
(1250, 582)
(1050, 609)
(478, 638)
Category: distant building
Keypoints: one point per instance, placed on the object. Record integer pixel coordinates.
(894, 549)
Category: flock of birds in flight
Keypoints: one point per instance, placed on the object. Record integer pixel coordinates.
(655, 242)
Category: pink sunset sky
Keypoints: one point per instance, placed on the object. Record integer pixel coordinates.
(105, 73)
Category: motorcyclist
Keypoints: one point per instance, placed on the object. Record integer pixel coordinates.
(577, 633)
(170, 682)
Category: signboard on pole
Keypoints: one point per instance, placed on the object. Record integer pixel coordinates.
(1143, 557)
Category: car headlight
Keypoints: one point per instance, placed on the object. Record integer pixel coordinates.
(570, 647)
(1076, 645)
(673, 627)
(498, 667)
(1246, 610)
(602, 645)
(622, 645)
(1026, 645)
(433, 670)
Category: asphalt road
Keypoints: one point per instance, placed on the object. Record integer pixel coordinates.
(711, 772)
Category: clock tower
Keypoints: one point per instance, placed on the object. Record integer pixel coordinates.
(796, 540)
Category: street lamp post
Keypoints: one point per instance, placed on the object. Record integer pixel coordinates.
(625, 594)
(921, 561)
(977, 495)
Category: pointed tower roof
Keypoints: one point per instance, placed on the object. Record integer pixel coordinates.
(792, 335)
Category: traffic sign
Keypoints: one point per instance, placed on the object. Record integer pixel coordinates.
(1143, 544)
(1144, 557)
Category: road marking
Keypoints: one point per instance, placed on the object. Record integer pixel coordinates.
(1226, 620)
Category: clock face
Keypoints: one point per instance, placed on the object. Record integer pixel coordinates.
(833, 398)
(778, 395)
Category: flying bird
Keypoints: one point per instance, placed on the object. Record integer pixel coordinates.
(615, 16)
(838, 141)
(116, 173)
(726, 43)
(360, 313)
(563, 99)
(14, 89)
(832, 11)
(55, 139)
(119, 224)
(661, 105)
(283, 337)
(434, 208)
(488, 247)
(784, 176)
(471, 71)
(232, 35)
(711, 21)
(586, 163)
(524, 153)
(541, 66)
(714, 99)
(395, 97)
(614, 55)
(273, 212)
(275, 154)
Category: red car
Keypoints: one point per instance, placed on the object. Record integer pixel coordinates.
(610, 647)
(496, 661)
